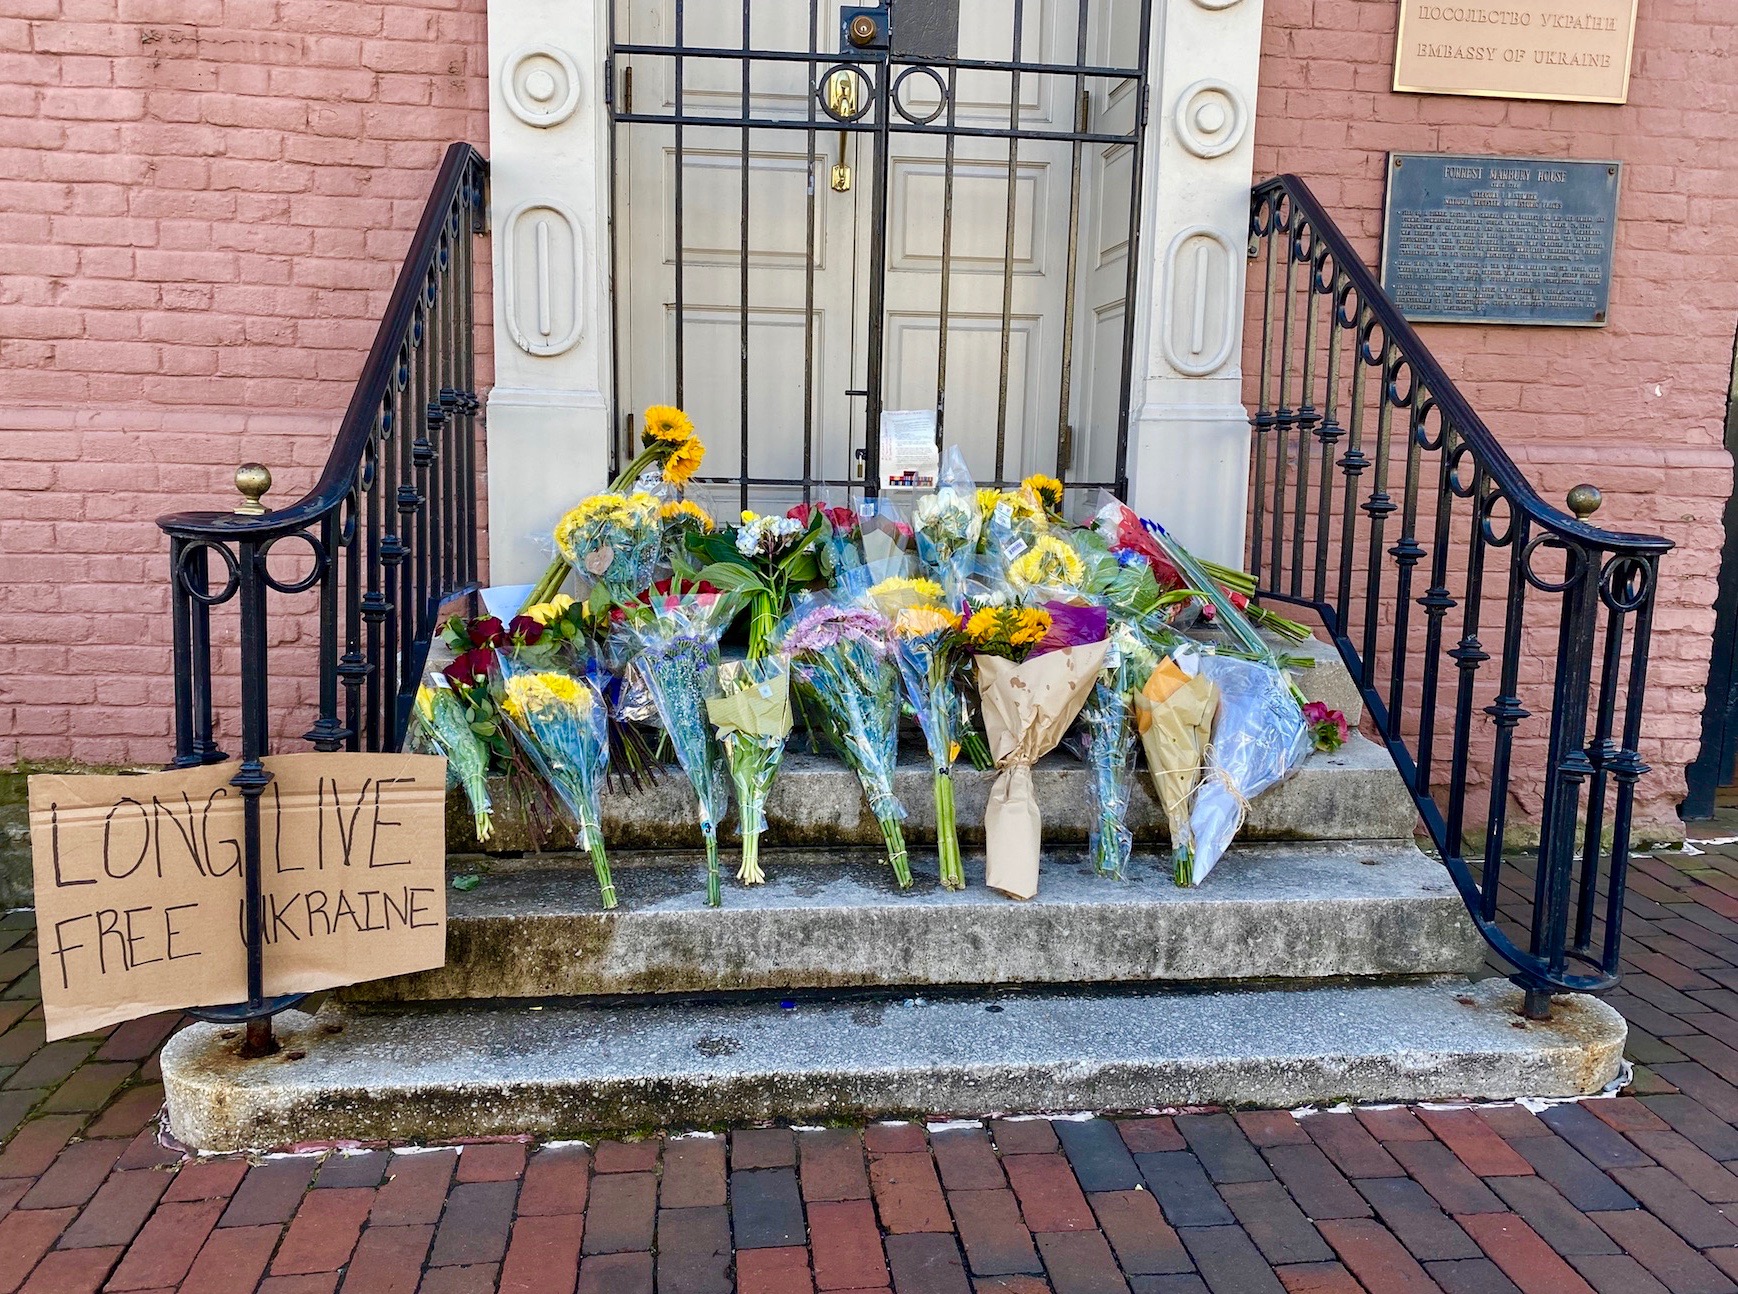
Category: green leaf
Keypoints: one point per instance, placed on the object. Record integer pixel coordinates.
(801, 567)
(465, 884)
(718, 546)
(733, 577)
(484, 728)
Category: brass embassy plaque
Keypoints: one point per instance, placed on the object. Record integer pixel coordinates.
(1577, 50)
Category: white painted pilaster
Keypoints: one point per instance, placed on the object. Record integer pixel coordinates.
(1189, 433)
(549, 415)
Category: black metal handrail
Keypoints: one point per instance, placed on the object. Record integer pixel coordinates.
(1329, 334)
(390, 530)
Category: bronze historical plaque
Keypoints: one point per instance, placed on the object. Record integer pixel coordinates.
(1577, 50)
(1511, 240)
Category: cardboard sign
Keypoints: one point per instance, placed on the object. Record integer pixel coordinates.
(140, 895)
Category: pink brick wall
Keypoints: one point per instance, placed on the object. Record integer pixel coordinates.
(205, 205)
(1636, 407)
(206, 201)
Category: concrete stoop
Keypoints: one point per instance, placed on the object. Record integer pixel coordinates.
(834, 919)
(369, 1072)
(816, 802)
(1325, 959)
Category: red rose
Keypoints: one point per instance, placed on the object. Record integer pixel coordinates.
(488, 632)
(525, 630)
(471, 668)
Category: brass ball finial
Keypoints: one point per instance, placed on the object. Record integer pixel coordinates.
(253, 480)
(1584, 501)
(863, 30)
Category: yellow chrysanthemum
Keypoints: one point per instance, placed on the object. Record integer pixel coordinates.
(684, 512)
(1047, 489)
(547, 692)
(895, 594)
(1048, 563)
(684, 462)
(1021, 508)
(915, 622)
(667, 423)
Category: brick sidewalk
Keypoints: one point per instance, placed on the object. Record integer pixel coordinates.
(1622, 1196)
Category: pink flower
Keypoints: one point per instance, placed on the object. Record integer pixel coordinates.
(1328, 727)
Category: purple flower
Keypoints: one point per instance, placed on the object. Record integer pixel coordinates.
(826, 627)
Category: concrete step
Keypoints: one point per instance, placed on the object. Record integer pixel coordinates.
(1353, 794)
(374, 1073)
(835, 919)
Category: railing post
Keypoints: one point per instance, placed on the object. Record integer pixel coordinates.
(251, 780)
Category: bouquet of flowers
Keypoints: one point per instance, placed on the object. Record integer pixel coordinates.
(929, 648)
(1174, 713)
(677, 638)
(1259, 737)
(1012, 522)
(947, 523)
(752, 713)
(671, 450)
(840, 658)
(443, 725)
(839, 547)
(614, 538)
(562, 724)
(1049, 564)
(1107, 744)
(762, 559)
(1029, 700)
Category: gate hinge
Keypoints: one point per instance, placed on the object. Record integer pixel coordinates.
(609, 82)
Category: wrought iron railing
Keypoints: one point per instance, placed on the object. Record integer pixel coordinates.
(388, 534)
(1454, 593)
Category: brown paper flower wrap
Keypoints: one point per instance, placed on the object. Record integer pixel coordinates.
(1027, 708)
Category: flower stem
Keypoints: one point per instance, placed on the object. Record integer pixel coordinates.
(896, 855)
(762, 620)
(748, 827)
(951, 869)
(972, 743)
(600, 864)
(714, 890)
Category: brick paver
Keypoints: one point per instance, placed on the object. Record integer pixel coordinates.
(1632, 1195)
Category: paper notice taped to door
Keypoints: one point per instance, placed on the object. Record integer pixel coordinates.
(909, 457)
(140, 889)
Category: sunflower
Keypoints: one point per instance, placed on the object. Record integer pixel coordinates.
(1047, 489)
(684, 462)
(667, 423)
(686, 512)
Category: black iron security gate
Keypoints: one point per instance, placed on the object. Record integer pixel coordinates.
(1059, 97)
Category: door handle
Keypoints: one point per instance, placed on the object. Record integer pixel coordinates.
(842, 103)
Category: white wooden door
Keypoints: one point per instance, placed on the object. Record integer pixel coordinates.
(779, 260)
(971, 396)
